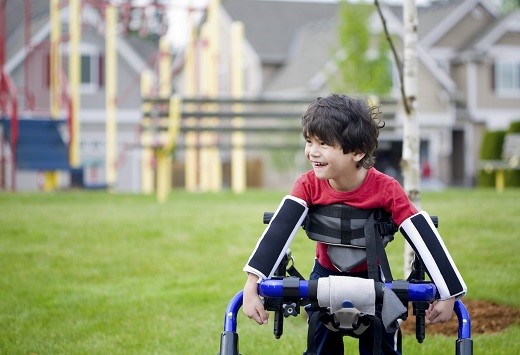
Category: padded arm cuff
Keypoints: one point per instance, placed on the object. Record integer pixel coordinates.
(424, 238)
(278, 235)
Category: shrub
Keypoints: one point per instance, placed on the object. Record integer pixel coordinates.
(512, 177)
(491, 149)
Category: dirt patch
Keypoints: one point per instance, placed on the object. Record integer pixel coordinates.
(486, 317)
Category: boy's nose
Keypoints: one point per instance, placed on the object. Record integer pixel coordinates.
(314, 151)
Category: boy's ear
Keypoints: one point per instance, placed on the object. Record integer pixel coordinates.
(357, 156)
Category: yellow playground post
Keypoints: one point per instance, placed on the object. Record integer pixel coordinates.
(210, 166)
(147, 176)
(163, 156)
(238, 154)
(51, 178)
(190, 88)
(110, 95)
(75, 79)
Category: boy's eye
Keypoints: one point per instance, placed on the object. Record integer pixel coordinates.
(323, 144)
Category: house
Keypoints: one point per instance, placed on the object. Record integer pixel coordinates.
(27, 59)
(469, 63)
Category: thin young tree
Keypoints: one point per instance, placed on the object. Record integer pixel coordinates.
(408, 74)
(411, 137)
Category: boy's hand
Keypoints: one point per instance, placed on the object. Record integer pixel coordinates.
(440, 311)
(252, 305)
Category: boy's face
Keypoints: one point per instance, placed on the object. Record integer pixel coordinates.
(329, 162)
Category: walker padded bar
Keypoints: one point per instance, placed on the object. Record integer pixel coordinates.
(273, 288)
(423, 237)
(278, 235)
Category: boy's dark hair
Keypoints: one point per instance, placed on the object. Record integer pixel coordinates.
(351, 123)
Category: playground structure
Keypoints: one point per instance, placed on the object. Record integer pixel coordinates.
(42, 132)
(204, 128)
(204, 125)
(206, 122)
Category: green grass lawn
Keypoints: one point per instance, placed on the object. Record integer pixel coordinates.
(98, 273)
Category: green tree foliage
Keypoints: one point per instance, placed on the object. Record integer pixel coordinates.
(363, 64)
(508, 6)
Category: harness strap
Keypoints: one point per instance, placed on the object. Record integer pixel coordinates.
(292, 271)
(376, 256)
(346, 231)
(337, 211)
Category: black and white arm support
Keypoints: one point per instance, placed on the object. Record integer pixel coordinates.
(278, 235)
(424, 238)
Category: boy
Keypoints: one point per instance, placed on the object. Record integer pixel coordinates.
(341, 136)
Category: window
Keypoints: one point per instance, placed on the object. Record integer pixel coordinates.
(91, 68)
(91, 72)
(86, 69)
(507, 78)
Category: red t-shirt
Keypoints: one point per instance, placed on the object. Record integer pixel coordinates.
(377, 191)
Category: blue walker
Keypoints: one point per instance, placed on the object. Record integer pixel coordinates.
(286, 294)
(291, 291)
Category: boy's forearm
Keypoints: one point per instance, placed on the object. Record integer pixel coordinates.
(251, 285)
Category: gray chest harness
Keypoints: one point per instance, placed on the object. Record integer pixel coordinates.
(353, 236)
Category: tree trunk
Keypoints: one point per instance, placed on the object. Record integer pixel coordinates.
(411, 137)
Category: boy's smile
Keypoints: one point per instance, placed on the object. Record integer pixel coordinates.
(317, 164)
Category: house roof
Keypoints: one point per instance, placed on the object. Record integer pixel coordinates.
(508, 24)
(439, 19)
(271, 26)
(313, 47)
(432, 16)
